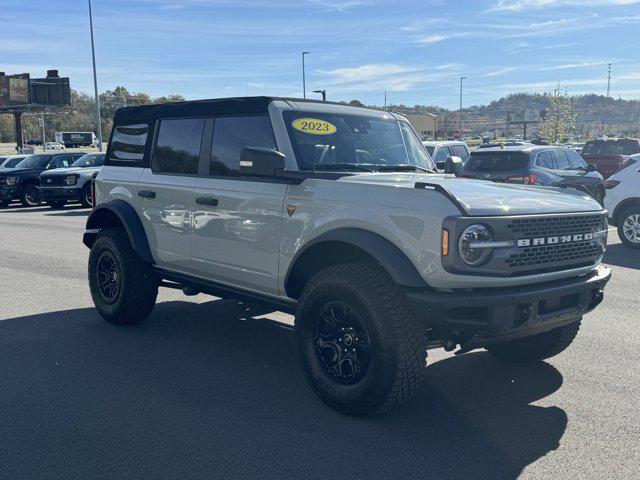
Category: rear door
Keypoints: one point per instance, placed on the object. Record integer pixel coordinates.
(165, 190)
(236, 220)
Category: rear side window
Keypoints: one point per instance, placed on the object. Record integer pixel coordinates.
(231, 135)
(177, 148)
(497, 161)
(562, 162)
(545, 160)
(442, 154)
(460, 151)
(127, 144)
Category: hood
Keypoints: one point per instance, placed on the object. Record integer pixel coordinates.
(482, 198)
(18, 171)
(69, 170)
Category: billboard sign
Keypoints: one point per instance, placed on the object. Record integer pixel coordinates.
(14, 90)
(523, 115)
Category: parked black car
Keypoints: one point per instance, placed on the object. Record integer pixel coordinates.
(23, 181)
(61, 185)
(536, 165)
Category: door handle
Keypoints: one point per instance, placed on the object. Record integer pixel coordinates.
(212, 202)
(147, 194)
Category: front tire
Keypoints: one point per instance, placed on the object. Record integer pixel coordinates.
(31, 196)
(629, 226)
(537, 347)
(85, 199)
(361, 347)
(123, 287)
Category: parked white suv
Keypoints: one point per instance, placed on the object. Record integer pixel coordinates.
(335, 213)
(440, 150)
(623, 201)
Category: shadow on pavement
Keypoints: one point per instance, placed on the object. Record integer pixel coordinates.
(622, 256)
(200, 392)
(70, 212)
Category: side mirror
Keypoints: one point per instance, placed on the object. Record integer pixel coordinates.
(260, 162)
(591, 167)
(440, 166)
(453, 165)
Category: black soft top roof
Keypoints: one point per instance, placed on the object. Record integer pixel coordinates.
(199, 108)
(193, 108)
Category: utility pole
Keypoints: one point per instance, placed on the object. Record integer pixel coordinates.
(609, 82)
(44, 138)
(323, 92)
(304, 80)
(95, 82)
(460, 116)
(385, 99)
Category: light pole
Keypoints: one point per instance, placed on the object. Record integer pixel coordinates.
(304, 80)
(95, 82)
(324, 94)
(460, 116)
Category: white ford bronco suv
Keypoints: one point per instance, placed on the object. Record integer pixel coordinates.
(336, 213)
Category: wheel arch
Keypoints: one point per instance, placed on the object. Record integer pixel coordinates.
(118, 213)
(350, 245)
(629, 202)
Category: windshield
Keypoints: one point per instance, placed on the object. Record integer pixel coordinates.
(12, 162)
(338, 142)
(34, 161)
(89, 160)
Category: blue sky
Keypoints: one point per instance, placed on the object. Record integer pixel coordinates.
(416, 50)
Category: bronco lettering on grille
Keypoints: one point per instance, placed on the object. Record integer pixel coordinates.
(579, 237)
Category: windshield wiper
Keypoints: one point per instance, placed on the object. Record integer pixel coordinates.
(342, 166)
(403, 167)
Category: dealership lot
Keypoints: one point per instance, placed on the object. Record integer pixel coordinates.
(208, 388)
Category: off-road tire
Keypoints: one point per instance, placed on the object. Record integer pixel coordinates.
(27, 199)
(57, 203)
(621, 218)
(397, 339)
(537, 347)
(85, 198)
(138, 286)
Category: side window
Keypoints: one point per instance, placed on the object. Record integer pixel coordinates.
(127, 144)
(576, 161)
(231, 135)
(544, 159)
(562, 162)
(441, 154)
(59, 161)
(177, 148)
(460, 151)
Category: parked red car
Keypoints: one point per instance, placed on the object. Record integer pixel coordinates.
(609, 154)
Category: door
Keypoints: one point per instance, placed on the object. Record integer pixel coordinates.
(236, 220)
(165, 191)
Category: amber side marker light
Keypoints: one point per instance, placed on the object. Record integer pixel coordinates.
(445, 242)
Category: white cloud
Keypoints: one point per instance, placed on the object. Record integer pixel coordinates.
(437, 37)
(501, 71)
(374, 71)
(518, 5)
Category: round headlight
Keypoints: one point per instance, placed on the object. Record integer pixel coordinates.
(12, 181)
(71, 180)
(471, 254)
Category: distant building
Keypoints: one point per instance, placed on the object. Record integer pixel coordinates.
(425, 125)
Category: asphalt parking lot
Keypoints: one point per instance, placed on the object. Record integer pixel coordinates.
(208, 388)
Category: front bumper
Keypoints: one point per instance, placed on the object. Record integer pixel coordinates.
(60, 193)
(9, 193)
(481, 317)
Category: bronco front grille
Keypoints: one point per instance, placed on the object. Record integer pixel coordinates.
(560, 225)
(544, 255)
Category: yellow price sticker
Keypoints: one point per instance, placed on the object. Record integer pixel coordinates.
(314, 126)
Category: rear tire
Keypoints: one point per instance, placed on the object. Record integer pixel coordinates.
(123, 287)
(361, 347)
(537, 347)
(629, 226)
(31, 196)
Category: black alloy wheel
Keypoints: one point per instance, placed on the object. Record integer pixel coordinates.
(342, 343)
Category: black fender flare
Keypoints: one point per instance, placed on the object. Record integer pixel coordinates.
(102, 217)
(385, 252)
